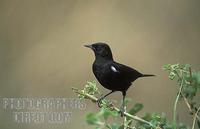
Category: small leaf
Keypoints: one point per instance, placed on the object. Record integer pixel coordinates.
(114, 113)
(108, 126)
(175, 66)
(92, 119)
(115, 126)
(182, 126)
(137, 107)
(127, 100)
(196, 76)
(172, 75)
(97, 127)
(166, 67)
(106, 114)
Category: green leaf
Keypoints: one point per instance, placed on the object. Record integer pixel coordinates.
(114, 113)
(182, 126)
(172, 75)
(156, 120)
(106, 114)
(115, 126)
(92, 119)
(108, 126)
(137, 107)
(127, 100)
(97, 127)
(166, 67)
(189, 91)
(196, 77)
(175, 66)
(91, 88)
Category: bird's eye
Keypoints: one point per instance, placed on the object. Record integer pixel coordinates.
(97, 48)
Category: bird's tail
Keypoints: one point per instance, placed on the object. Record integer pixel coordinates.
(147, 75)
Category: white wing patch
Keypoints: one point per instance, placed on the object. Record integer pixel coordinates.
(114, 69)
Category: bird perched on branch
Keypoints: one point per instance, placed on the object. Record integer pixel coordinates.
(110, 74)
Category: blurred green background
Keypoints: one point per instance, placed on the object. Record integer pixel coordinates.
(42, 53)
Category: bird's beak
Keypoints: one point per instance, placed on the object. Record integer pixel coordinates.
(89, 46)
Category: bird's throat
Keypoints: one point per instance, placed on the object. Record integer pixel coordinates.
(104, 58)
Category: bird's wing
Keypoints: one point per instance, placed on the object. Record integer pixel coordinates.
(124, 71)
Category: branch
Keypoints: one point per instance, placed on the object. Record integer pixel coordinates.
(195, 117)
(111, 107)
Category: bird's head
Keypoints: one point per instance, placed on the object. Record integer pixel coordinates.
(101, 50)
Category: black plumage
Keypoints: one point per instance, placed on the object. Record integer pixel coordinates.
(110, 74)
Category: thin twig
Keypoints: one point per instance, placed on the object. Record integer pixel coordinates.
(186, 102)
(175, 104)
(188, 105)
(190, 70)
(195, 117)
(94, 99)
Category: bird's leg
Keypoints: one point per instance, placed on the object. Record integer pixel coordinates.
(100, 99)
(122, 109)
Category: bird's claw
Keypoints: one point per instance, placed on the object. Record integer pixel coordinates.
(99, 102)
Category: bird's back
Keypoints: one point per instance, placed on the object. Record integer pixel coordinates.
(113, 75)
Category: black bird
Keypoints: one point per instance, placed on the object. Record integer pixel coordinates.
(110, 74)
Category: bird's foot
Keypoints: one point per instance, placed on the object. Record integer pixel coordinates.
(99, 102)
(122, 111)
